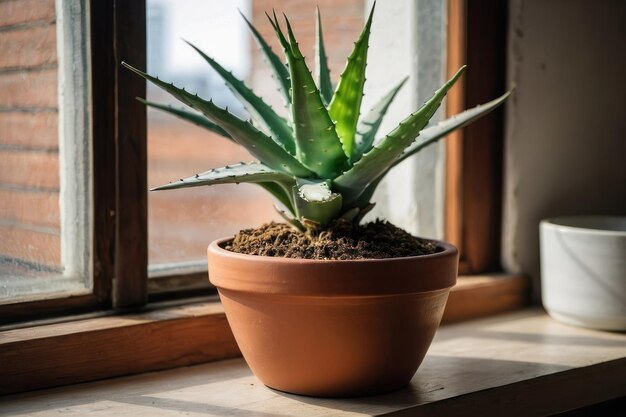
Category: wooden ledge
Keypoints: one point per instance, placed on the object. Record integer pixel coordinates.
(90, 349)
(516, 364)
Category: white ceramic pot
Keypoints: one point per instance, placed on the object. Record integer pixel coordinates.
(583, 270)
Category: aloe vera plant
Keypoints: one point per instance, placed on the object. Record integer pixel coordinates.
(323, 161)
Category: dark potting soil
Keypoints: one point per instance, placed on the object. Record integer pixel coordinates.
(341, 240)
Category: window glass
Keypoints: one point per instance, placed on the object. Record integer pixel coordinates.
(43, 215)
(183, 222)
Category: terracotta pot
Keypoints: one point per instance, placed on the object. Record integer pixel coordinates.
(333, 328)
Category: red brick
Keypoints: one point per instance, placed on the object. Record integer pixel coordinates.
(28, 47)
(15, 12)
(31, 169)
(36, 89)
(31, 246)
(32, 208)
(38, 130)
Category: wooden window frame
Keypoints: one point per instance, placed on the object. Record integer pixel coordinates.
(118, 31)
(120, 240)
(476, 37)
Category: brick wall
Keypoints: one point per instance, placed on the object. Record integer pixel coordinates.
(29, 160)
(342, 22)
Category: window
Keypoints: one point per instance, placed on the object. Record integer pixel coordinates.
(100, 246)
(182, 223)
(45, 187)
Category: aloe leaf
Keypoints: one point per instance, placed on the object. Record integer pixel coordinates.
(280, 35)
(315, 202)
(434, 133)
(195, 118)
(346, 102)
(366, 195)
(257, 143)
(276, 183)
(281, 192)
(431, 135)
(232, 174)
(370, 123)
(261, 113)
(279, 70)
(289, 218)
(363, 212)
(377, 161)
(317, 144)
(350, 214)
(322, 73)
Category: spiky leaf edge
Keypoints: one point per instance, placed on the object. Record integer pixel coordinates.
(433, 134)
(370, 123)
(265, 117)
(376, 162)
(277, 183)
(322, 73)
(257, 143)
(345, 106)
(196, 119)
(317, 144)
(279, 70)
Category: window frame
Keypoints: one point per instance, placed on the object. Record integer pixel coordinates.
(120, 235)
(120, 255)
(477, 36)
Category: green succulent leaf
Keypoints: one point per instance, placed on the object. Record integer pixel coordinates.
(289, 218)
(279, 70)
(317, 144)
(262, 114)
(257, 143)
(232, 174)
(276, 183)
(315, 203)
(350, 214)
(280, 35)
(346, 102)
(322, 73)
(281, 192)
(195, 118)
(434, 133)
(370, 123)
(431, 135)
(325, 162)
(365, 197)
(377, 161)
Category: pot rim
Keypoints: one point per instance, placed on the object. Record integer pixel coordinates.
(330, 278)
(216, 246)
(567, 224)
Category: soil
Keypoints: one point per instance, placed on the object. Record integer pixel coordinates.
(342, 240)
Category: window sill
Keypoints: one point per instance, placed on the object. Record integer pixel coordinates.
(90, 349)
(521, 363)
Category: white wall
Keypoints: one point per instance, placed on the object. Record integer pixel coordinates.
(566, 122)
(408, 39)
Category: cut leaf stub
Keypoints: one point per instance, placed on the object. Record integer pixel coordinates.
(326, 159)
(315, 191)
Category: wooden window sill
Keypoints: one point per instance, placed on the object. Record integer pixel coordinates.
(96, 348)
(520, 363)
